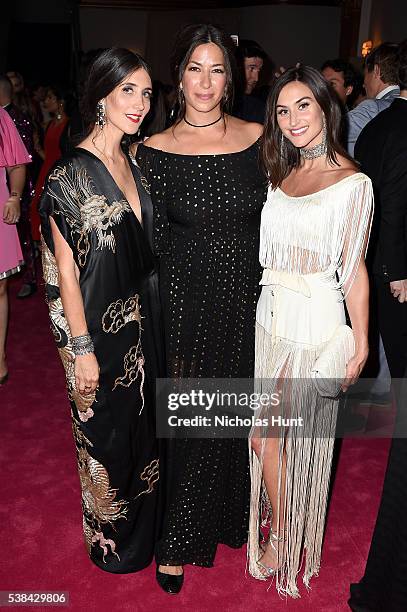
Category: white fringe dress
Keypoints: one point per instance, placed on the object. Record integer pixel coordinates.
(310, 249)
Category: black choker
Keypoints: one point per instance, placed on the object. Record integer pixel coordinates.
(206, 125)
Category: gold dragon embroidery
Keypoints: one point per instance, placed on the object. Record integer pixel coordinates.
(120, 313)
(133, 366)
(84, 211)
(151, 475)
(100, 506)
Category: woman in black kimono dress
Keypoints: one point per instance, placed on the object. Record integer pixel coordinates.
(207, 193)
(102, 292)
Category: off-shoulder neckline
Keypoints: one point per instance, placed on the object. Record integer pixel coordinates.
(309, 195)
(200, 154)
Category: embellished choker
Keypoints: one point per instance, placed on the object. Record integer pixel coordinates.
(320, 149)
(313, 152)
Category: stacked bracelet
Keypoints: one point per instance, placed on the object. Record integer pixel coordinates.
(82, 345)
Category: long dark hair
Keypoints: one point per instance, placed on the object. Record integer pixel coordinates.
(62, 94)
(187, 40)
(156, 119)
(106, 72)
(278, 161)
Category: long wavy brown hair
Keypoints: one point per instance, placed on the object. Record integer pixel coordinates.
(277, 160)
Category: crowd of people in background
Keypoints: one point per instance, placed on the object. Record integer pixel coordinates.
(49, 121)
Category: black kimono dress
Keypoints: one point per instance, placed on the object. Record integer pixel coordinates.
(114, 428)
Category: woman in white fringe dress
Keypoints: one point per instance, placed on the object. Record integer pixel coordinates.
(314, 232)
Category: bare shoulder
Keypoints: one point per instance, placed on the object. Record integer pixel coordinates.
(162, 140)
(345, 168)
(248, 129)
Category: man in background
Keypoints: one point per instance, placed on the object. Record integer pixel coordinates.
(380, 81)
(382, 150)
(250, 100)
(341, 76)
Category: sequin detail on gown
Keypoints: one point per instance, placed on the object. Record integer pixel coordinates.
(207, 216)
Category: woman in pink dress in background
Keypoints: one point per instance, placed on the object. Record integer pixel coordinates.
(13, 156)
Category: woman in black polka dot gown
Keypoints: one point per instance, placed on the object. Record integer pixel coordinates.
(208, 192)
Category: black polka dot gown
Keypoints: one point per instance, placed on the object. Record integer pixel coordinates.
(207, 218)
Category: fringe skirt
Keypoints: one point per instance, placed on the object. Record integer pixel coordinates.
(296, 316)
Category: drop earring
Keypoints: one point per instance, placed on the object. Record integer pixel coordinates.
(282, 146)
(180, 94)
(100, 115)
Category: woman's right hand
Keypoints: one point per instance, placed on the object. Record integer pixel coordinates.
(11, 211)
(86, 373)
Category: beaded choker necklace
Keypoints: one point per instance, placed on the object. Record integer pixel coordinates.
(313, 152)
(320, 149)
(201, 126)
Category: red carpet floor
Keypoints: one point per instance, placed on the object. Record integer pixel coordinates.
(42, 546)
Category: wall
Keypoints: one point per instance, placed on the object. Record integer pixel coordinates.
(388, 21)
(291, 33)
(19, 15)
(41, 11)
(113, 27)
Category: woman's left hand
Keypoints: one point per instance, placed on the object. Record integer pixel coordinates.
(11, 212)
(354, 368)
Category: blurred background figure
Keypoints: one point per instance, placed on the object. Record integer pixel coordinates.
(50, 152)
(38, 93)
(250, 97)
(359, 92)
(382, 151)
(253, 58)
(13, 157)
(25, 130)
(342, 76)
(380, 82)
(22, 98)
(381, 85)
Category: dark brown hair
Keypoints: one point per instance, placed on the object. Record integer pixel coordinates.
(106, 72)
(278, 161)
(386, 57)
(187, 40)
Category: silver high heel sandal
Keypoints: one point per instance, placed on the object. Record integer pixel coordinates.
(267, 571)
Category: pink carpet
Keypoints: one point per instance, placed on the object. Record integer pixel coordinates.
(42, 546)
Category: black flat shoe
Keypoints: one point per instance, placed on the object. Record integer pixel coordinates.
(26, 290)
(169, 583)
(4, 379)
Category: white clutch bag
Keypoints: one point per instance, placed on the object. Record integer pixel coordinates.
(329, 370)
